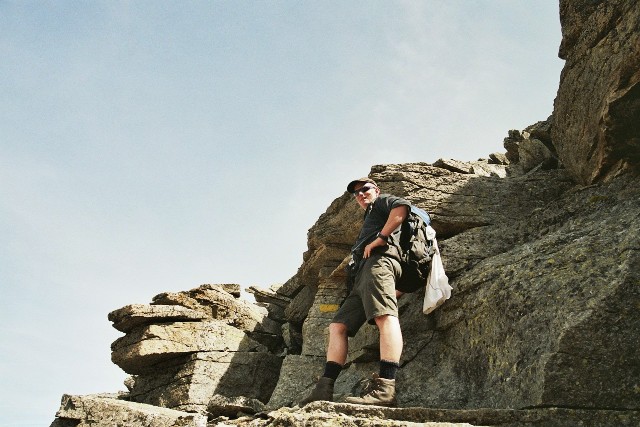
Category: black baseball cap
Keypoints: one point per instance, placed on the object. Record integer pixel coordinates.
(362, 180)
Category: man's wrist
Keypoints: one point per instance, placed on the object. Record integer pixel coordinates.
(383, 237)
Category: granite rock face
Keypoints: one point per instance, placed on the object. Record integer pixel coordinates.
(597, 110)
(542, 270)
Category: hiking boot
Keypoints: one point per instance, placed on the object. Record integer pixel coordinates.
(323, 391)
(377, 391)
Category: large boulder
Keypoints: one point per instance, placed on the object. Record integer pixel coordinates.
(147, 348)
(204, 378)
(597, 110)
(536, 325)
(132, 316)
(216, 302)
(203, 350)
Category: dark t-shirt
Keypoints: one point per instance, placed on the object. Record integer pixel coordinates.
(375, 217)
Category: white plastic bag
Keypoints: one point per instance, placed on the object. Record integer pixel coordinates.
(438, 289)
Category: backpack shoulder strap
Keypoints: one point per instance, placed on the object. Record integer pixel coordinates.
(422, 214)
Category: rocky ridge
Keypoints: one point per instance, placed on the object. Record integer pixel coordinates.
(540, 243)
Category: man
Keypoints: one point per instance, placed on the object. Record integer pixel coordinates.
(373, 298)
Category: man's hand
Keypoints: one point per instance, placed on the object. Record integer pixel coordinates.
(371, 246)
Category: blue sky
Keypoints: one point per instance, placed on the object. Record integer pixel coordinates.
(154, 146)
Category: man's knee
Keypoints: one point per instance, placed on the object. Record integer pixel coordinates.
(385, 319)
(337, 329)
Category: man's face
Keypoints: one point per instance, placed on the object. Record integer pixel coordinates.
(366, 193)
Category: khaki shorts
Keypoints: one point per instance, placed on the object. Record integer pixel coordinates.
(373, 294)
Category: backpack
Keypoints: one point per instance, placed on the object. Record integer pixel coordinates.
(416, 249)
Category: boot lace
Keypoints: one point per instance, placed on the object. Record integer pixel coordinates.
(368, 385)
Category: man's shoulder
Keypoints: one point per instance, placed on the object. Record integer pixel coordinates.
(395, 200)
(386, 202)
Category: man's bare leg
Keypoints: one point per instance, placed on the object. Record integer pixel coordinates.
(338, 343)
(390, 338)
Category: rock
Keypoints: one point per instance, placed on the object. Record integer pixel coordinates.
(298, 376)
(104, 411)
(327, 242)
(268, 296)
(532, 153)
(233, 406)
(292, 337)
(274, 303)
(493, 167)
(515, 269)
(315, 331)
(527, 150)
(327, 413)
(145, 347)
(542, 132)
(462, 202)
(99, 411)
(511, 144)
(232, 289)
(218, 304)
(484, 168)
(200, 382)
(596, 131)
(191, 350)
(131, 316)
(454, 166)
(498, 159)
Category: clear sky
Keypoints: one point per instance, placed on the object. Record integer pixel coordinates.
(151, 146)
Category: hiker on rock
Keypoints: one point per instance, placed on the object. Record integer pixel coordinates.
(374, 268)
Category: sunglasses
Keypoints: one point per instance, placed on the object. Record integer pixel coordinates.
(363, 189)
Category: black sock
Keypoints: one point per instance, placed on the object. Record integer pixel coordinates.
(332, 370)
(388, 369)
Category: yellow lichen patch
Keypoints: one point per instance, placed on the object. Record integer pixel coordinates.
(328, 308)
